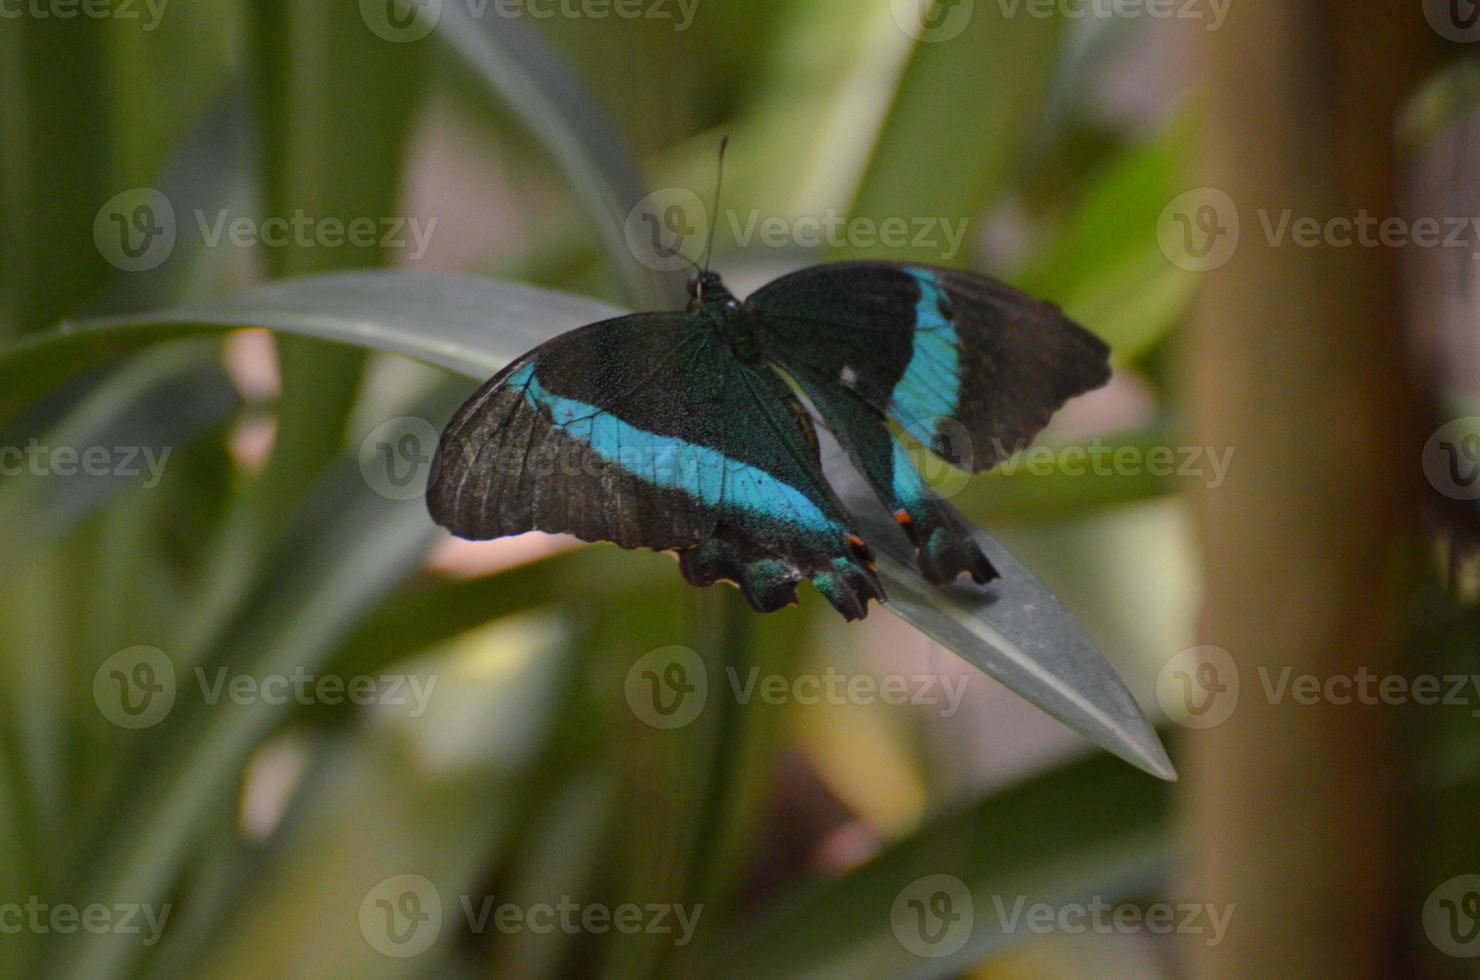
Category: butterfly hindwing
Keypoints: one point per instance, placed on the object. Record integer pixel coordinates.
(945, 549)
(944, 353)
(779, 521)
(646, 431)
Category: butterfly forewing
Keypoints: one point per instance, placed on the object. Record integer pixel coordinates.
(646, 431)
(554, 442)
(929, 347)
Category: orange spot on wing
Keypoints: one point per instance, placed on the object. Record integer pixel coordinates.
(902, 517)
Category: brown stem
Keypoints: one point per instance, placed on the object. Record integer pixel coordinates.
(1295, 361)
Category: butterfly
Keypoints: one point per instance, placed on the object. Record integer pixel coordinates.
(679, 431)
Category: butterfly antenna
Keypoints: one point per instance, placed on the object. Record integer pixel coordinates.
(719, 180)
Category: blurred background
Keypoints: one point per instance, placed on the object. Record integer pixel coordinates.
(260, 718)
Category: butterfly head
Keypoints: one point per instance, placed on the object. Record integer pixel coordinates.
(706, 289)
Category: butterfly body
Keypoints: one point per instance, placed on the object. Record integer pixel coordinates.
(679, 432)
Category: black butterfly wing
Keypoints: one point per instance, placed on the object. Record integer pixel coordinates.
(645, 431)
(929, 347)
(506, 465)
(945, 549)
(968, 366)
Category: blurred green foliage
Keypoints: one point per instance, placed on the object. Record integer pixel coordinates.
(268, 828)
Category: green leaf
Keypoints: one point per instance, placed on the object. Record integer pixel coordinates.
(53, 179)
(1104, 264)
(930, 162)
(512, 59)
(1030, 843)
